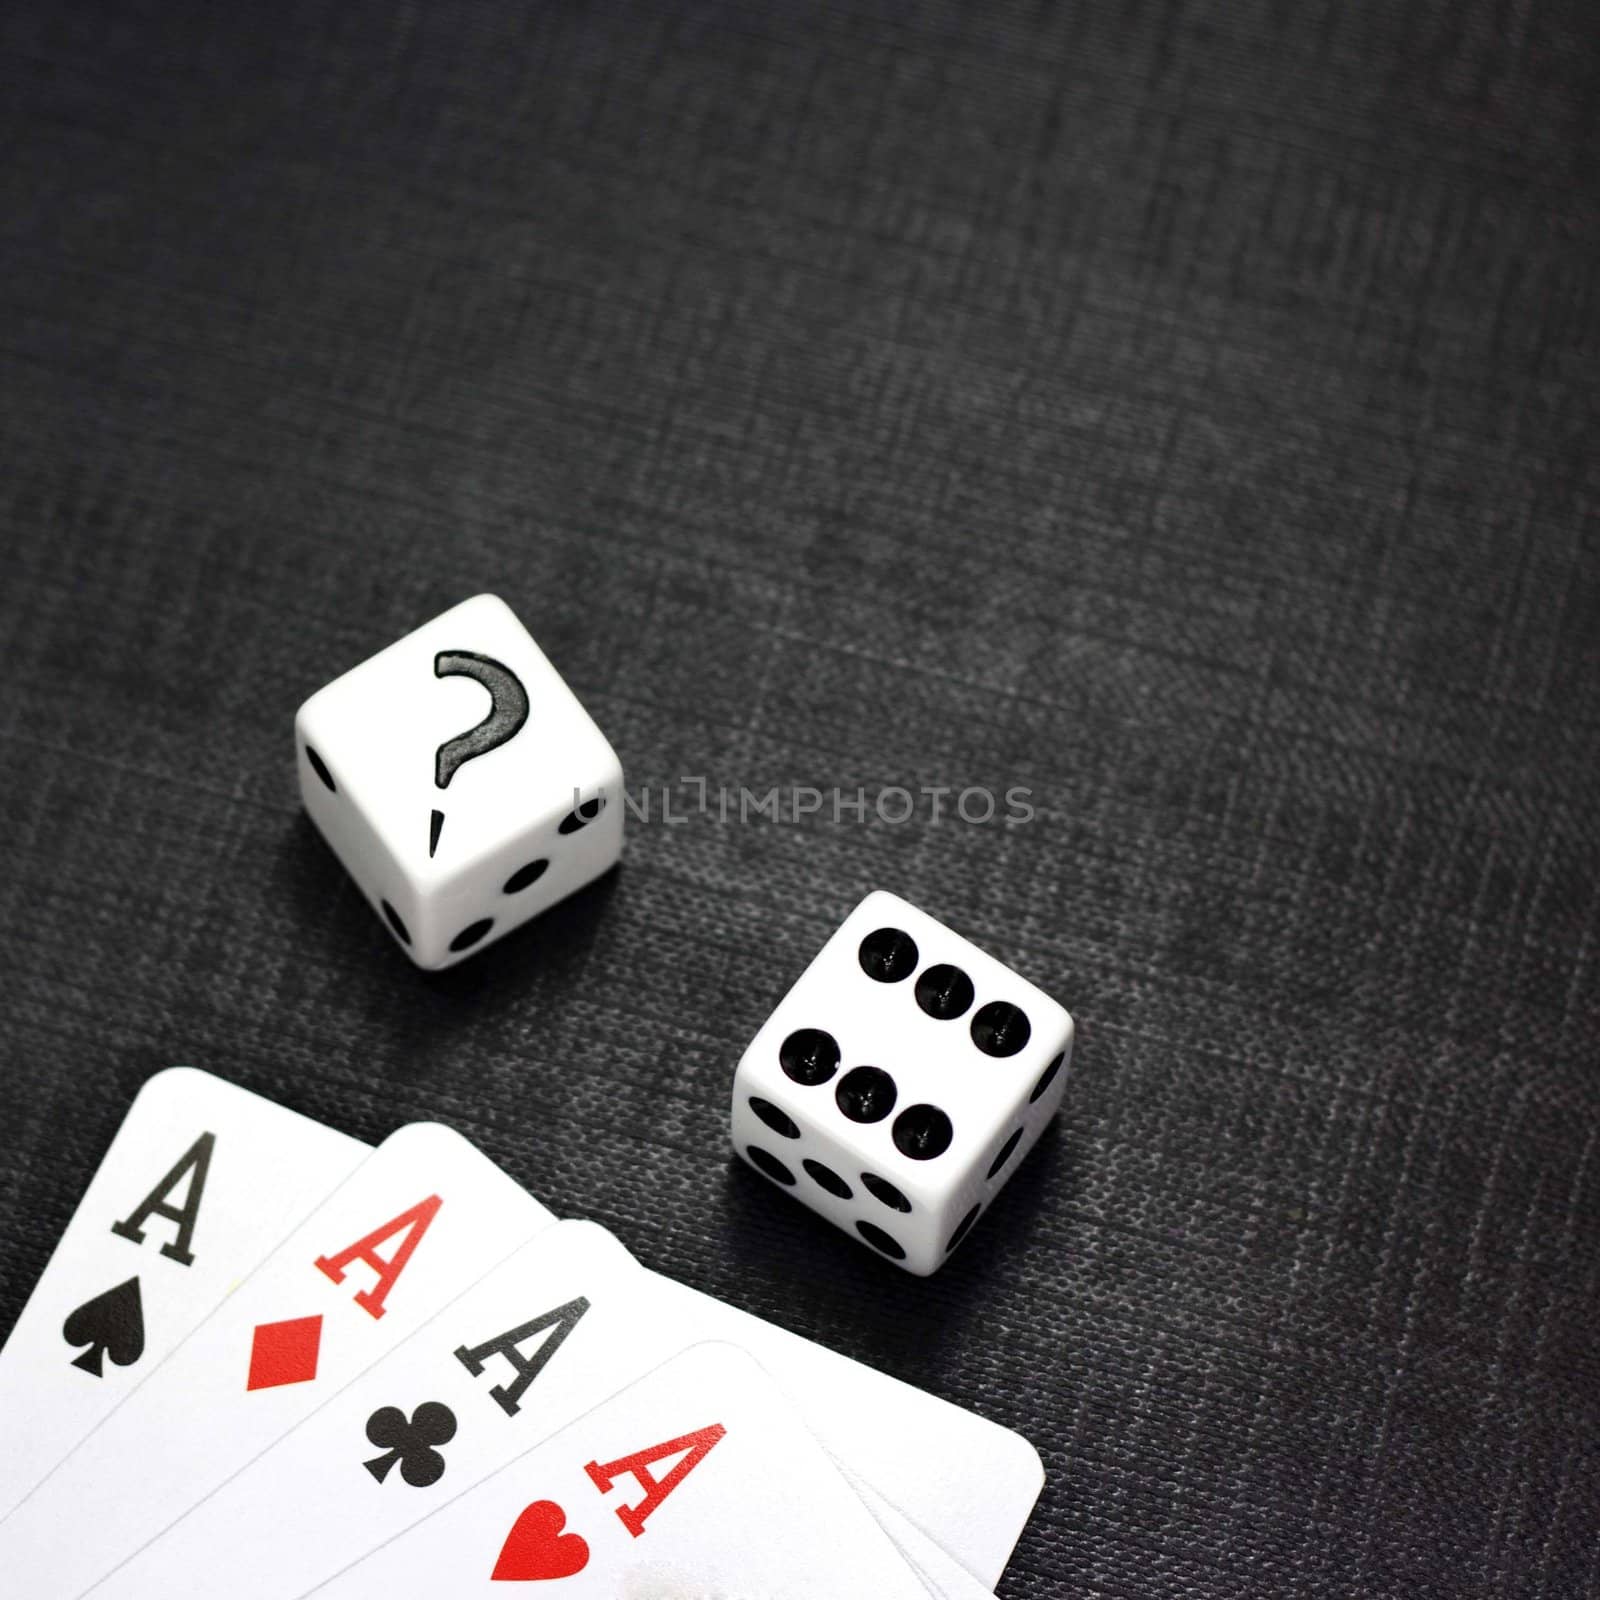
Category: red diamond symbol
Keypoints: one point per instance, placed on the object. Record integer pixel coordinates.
(284, 1352)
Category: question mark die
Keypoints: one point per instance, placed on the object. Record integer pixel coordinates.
(460, 782)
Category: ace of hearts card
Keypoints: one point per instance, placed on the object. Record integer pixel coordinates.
(697, 1482)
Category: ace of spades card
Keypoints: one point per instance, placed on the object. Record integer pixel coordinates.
(413, 1225)
(697, 1481)
(200, 1182)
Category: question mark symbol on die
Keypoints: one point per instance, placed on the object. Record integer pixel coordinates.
(508, 710)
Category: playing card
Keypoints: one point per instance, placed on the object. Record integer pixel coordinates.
(965, 1482)
(941, 1572)
(544, 1337)
(415, 1224)
(697, 1482)
(202, 1179)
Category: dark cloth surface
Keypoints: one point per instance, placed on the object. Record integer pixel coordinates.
(1184, 411)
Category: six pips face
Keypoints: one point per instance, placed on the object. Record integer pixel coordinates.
(869, 1093)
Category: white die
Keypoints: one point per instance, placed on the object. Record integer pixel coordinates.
(900, 1082)
(530, 806)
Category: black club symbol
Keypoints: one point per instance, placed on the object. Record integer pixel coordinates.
(411, 1442)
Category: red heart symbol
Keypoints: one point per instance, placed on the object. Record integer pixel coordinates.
(537, 1548)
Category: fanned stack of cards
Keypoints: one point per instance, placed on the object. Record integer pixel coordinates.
(269, 1361)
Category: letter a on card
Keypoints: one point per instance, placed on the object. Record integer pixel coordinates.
(413, 1223)
(194, 1163)
(693, 1447)
(555, 1325)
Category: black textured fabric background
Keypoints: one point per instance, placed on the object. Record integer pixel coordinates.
(1186, 411)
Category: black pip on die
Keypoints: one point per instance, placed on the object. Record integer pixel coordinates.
(900, 1082)
(460, 781)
